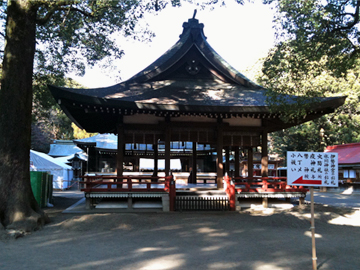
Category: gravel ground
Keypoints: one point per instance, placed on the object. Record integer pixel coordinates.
(252, 239)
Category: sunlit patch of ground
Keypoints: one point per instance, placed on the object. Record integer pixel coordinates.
(348, 191)
(352, 219)
(329, 214)
(173, 261)
(308, 233)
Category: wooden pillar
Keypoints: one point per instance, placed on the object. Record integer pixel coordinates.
(265, 202)
(237, 161)
(264, 162)
(97, 164)
(137, 164)
(120, 149)
(91, 163)
(156, 159)
(167, 146)
(194, 163)
(264, 155)
(227, 160)
(250, 162)
(302, 202)
(219, 156)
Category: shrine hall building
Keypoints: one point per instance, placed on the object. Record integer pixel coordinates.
(189, 94)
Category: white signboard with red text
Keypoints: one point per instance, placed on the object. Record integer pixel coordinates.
(312, 169)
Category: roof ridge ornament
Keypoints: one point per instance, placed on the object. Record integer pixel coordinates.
(193, 27)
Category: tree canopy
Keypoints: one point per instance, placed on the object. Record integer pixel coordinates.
(342, 126)
(314, 29)
(317, 55)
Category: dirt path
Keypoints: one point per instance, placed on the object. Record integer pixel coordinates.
(255, 240)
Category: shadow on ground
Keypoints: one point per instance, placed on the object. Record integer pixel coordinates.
(254, 240)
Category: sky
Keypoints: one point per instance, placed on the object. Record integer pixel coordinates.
(241, 34)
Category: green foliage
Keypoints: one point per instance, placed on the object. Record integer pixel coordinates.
(313, 36)
(80, 133)
(305, 137)
(317, 55)
(315, 28)
(342, 126)
(72, 34)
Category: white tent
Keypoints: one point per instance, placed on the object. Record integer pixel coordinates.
(62, 173)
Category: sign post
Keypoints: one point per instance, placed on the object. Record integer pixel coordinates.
(314, 259)
(312, 169)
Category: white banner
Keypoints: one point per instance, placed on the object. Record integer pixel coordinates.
(312, 169)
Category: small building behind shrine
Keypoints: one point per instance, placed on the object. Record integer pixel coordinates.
(63, 148)
(349, 161)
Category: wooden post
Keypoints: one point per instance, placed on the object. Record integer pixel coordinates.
(219, 156)
(137, 165)
(91, 163)
(156, 158)
(265, 202)
(237, 161)
(264, 162)
(167, 147)
(227, 160)
(129, 203)
(172, 191)
(97, 165)
(120, 149)
(250, 162)
(264, 155)
(194, 163)
(301, 202)
(314, 259)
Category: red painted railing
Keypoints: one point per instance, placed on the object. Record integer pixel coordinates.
(265, 184)
(257, 185)
(108, 183)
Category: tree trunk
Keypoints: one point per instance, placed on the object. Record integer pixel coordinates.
(18, 207)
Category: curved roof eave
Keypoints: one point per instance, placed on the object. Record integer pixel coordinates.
(62, 94)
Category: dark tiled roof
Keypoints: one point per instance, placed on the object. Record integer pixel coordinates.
(189, 77)
(230, 88)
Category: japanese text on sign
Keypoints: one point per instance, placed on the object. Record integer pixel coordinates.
(312, 169)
